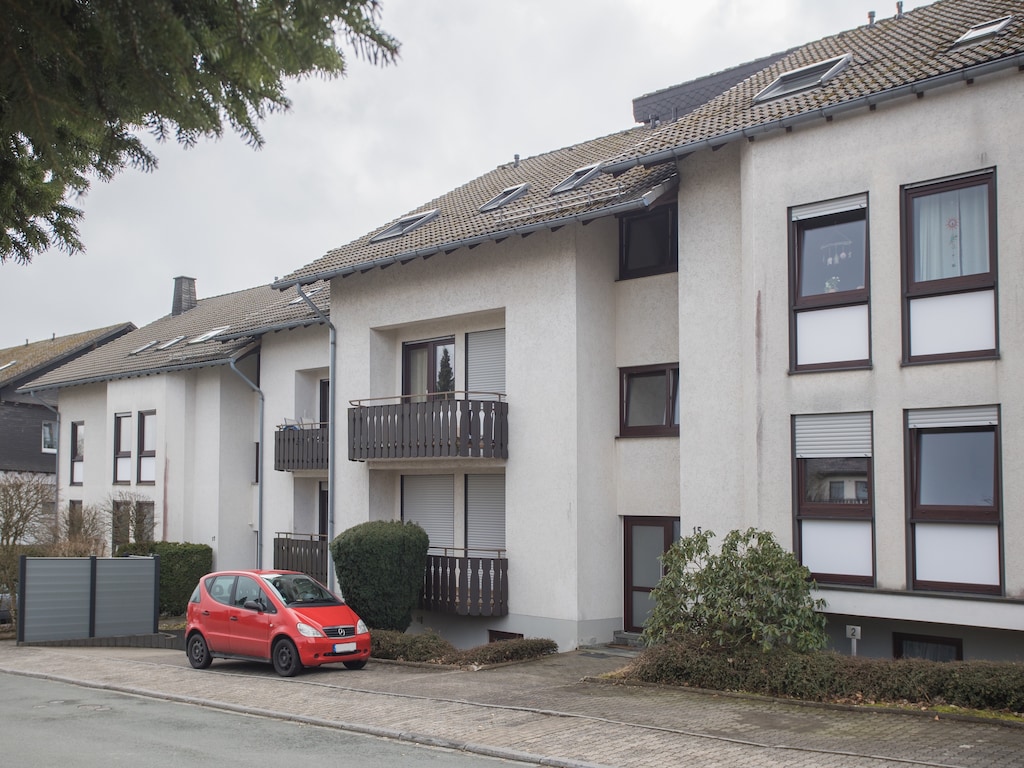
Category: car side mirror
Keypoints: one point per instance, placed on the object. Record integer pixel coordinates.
(254, 605)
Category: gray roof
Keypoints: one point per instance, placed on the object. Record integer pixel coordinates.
(248, 314)
(893, 58)
(460, 223)
(20, 364)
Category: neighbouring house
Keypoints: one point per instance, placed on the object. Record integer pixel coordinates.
(791, 303)
(29, 425)
(167, 424)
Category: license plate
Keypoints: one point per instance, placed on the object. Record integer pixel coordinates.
(344, 647)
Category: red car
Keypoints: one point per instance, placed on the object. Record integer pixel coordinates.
(283, 617)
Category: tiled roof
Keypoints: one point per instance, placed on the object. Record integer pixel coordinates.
(460, 222)
(894, 57)
(30, 358)
(249, 314)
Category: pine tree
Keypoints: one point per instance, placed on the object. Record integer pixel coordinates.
(79, 78)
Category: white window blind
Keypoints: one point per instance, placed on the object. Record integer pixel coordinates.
(485, 512)
(485, 361)
(975, 416)
(429, 501)
(827, 435)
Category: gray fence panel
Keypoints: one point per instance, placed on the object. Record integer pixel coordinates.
(56, 604)
(124, 596)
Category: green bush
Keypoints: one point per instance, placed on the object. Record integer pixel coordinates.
(751, 592)
(430, 647)
(380, 567)
(181, 567)
(828, 676)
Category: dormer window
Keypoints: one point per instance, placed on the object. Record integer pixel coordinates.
(299, 299)
(405, 225)
(576, 179)
(171, 343)
(7, 365)
(505, 197)
(209, 335)
(982, 31)
(144, 347)
(811, 76)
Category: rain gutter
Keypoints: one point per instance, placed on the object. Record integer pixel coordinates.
(749, 132)
(263, 458)
(631, 205)
(332, 422)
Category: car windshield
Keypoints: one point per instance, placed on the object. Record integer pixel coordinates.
(299, 588)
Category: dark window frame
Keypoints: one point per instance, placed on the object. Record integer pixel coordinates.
(845, 298)
(957, 514)
(665, 266)
(670, 428)
(434, 348)
(145, 453)
(982, 281)
(121, 451)
(77, 456)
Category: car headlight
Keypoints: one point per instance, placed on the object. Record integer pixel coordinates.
(307, 631)
(361, 628)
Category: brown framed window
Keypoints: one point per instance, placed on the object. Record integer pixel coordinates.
(122, 448)
(147, 447)
(949, 269)
(833, 497)
(77, 452)
(954, 515)
(829, 291)
(428, 369)
(649, 400)
(649, 243)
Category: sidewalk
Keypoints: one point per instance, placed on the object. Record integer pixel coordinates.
(548, 712)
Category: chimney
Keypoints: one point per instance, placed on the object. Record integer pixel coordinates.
(899, 9)
(184, 295)
(871, 18)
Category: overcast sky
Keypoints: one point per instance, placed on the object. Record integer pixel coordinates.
(477, 82)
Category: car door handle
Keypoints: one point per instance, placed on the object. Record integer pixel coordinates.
(234, 618)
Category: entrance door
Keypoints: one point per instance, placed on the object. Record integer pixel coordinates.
(646, 540)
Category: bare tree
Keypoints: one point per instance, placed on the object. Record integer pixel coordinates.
(26, 512)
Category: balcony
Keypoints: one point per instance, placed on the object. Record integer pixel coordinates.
(306, 552)
(301, 446)
(454, 425)
(466, 582)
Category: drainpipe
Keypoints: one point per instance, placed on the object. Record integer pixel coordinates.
(56, 459)
(259, 489)
(331, 423)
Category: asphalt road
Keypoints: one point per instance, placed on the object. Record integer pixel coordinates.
(45, 723)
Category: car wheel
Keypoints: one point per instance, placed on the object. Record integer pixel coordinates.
(355, 664)
(198, 653)
(286, 658)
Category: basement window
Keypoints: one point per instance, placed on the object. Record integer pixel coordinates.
(505, 197)
(804, 78)
(405, 225)
(982, 31)
(576, 179)
(209, 335)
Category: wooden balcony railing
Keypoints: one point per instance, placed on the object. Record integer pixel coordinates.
(306, 552)
(452, 425)
(466, 582)
(301, 446)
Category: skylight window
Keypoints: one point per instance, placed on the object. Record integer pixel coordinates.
(576, 179)
(505, 197)
(404, 225)
(982, 31)
(811, 76)
(7, 365)
(143, 348)
(209, 335)
(171, 343)
(298, 299)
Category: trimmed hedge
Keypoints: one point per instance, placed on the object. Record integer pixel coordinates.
(380, 567)
(181, 567)
(430, 647)
(829, 676)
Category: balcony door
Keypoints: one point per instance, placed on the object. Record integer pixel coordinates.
(646, 540)
(428, 368)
